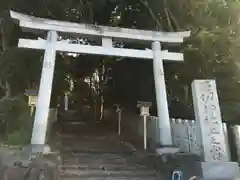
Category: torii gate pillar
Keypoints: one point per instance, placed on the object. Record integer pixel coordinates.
(45, 91)
(163, 123)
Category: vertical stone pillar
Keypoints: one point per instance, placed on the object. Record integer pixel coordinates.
(215, 163)
(163, 131)
(65, 101)
(208, 118)
(119, 112)
(45, 90)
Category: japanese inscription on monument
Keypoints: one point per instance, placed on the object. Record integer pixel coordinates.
(208, 118)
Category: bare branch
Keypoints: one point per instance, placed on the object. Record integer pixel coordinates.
(168, 19)
(145, 3)
(90, 7)
(173, 19)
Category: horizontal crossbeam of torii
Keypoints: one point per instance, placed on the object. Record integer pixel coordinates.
(38, 25)
(107, 35)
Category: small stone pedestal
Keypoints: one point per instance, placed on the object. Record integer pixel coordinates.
(168, 150)
(191, 165)
(217, 170)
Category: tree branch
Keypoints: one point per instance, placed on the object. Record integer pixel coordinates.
(145, 3)
(168, 20)
(173, 18)
(90, 7)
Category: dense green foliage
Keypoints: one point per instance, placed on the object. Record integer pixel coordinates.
(210, 52)
(15, 121)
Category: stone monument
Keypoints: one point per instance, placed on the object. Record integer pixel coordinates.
(215, 162)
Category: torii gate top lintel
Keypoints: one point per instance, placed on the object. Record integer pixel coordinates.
(32, 23)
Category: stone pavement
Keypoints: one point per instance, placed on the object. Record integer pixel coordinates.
(91, 152)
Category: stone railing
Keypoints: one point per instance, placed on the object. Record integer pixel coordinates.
(184, 133)
(186, 136)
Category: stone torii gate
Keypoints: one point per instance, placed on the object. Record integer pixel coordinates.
(107, 35)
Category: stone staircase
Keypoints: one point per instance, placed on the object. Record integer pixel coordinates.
(90, 152)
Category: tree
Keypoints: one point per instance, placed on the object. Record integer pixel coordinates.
(211, 52)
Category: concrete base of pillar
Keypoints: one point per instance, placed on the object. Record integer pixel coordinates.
(191, 165)
(167, 150)
(35, 151)
(36, 148)
(218, 170)
(168, 163)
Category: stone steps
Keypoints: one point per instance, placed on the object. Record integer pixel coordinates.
(99, 155)
(71, 171)
(110, 178)
(112, 173)
(115, 169)
(103, 167)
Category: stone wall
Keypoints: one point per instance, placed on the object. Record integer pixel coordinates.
(184, 132)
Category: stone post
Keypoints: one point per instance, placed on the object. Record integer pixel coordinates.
(119, 113)
(65, 101)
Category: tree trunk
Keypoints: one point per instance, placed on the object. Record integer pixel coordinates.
(90, 88)
(186, 93)
(90, 97)
(4, 47)
(102, 72)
